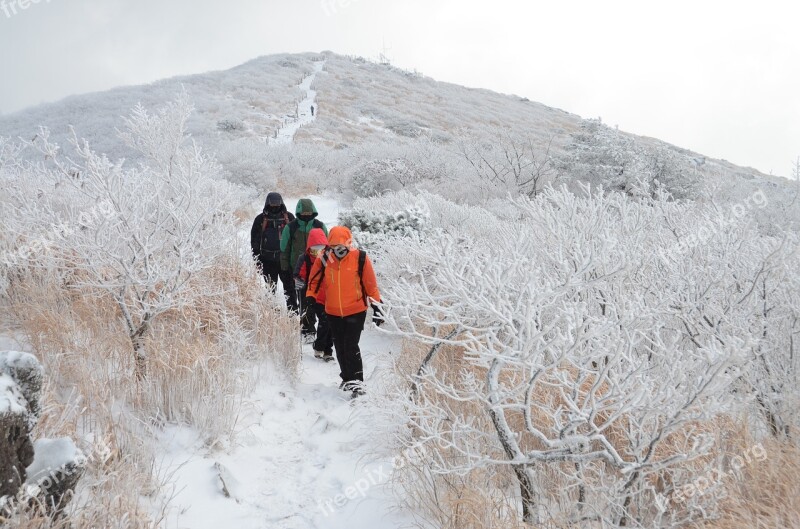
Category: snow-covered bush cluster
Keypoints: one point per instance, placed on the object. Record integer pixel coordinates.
(589, 353)
(132, 284)
(386, 218)
(609, 158)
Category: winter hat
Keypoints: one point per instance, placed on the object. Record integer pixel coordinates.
(340, 235)
(316, 237)
(273, 199)
(305, 205)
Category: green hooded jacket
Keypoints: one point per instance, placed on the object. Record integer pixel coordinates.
(293, 246)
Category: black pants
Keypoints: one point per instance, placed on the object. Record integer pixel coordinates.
(324, 341)
(272, 272)
(346, 335)
(308, 318)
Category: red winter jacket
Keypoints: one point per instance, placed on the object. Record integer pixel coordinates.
(306, 261)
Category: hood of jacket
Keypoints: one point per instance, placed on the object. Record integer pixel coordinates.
(316, 237)
(340, 235)
(274, 197)
(305, 205)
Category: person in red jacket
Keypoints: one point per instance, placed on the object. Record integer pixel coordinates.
(348, 295)
(323, 344)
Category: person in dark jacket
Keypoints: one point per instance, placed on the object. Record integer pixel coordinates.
(265, 243)
(293, 244)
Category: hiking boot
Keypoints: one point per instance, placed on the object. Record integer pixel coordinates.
(358, 389)
(318, 354)
(328, 357)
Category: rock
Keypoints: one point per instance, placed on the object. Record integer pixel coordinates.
(28, 373)
(21, 378)
(230, 485)
(57, 467)
(16, 449)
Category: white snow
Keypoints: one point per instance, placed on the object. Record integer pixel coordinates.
(304, 115)
(11, 399)
(301, 462)
(50, 455)
(18, 360)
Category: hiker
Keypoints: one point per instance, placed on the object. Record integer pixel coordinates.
(317, 242)
(293, 244)
(312, 111)
(265, 242)
(346, 278)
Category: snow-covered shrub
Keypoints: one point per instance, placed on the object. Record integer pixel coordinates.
(506, 162)
(609, 158)
(231, 125)
(386, 218)
(246, 161)
(106, 260)
(592, 365)
(150, 230)
(385, 167)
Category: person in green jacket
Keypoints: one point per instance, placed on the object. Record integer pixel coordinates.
(293, 244)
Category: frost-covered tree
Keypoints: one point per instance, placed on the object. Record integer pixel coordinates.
(595, 366)
(609, 158)
(136, 234)
(509, 162)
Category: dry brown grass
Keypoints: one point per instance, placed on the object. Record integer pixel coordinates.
(202, 361)
(766, 495)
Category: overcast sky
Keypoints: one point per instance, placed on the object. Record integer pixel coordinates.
(719, 77)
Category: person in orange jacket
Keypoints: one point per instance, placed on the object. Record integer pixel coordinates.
(348, 295)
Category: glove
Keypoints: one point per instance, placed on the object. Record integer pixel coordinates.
(299, 284)
(377, 316)
(310, 301)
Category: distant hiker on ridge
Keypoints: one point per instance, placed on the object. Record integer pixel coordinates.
(293, 244)
(265, 243)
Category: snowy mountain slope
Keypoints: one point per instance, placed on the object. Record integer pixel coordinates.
(358, 102)
(249, 101)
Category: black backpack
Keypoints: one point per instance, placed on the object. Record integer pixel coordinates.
(271, 230)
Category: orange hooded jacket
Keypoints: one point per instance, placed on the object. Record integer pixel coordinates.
(340, 281)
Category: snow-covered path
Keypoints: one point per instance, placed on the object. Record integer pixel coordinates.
(304, 113)
(304, 458)
(299, 464)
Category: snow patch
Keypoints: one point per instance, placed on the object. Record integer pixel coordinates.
(50, 456)
(11, 400)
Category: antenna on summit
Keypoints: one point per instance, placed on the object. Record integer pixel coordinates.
(383, 57)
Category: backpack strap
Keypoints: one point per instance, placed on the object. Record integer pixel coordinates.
(362, 259)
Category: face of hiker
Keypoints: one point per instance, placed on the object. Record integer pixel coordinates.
(316, 251)
(340, 250)
(306, 217)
